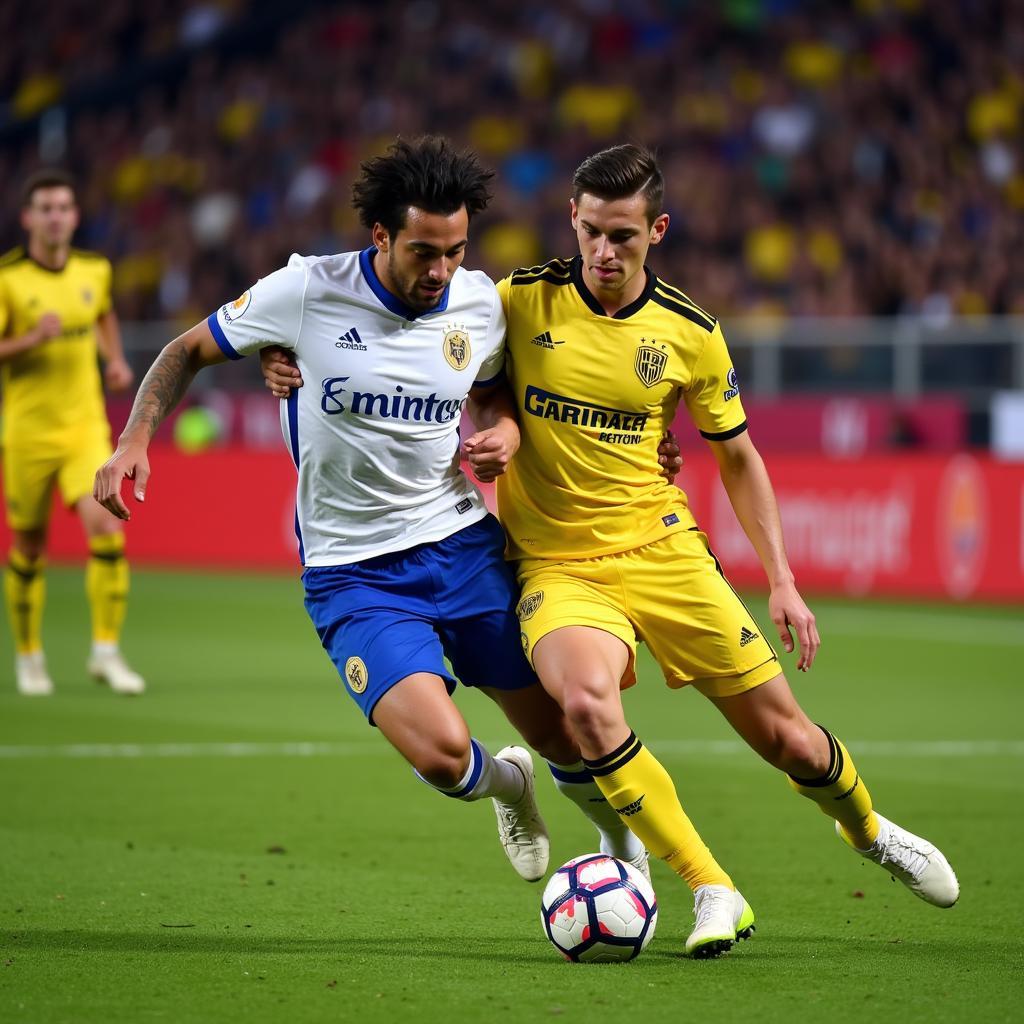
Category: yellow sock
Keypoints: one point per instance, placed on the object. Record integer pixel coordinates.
(842, 795)
(25, 592)
(106, 585)
(643, 795)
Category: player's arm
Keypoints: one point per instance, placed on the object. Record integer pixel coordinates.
(117, 374)
(493, 411)
(49, 326)
(753, 500)
(160, 391)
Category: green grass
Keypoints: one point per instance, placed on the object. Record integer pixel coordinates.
(272, 887)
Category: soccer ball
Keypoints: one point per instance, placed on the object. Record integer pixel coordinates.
(596, 909)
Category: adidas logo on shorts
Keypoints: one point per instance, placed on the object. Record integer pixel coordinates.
(746, 636)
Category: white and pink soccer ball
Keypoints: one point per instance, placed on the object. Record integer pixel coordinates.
(596, 909)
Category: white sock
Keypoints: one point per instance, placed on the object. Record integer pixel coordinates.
(485, 777)
(100, 650)
(575, 782)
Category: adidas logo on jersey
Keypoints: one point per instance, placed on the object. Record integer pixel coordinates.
(544, 340)
(746, 636)
(633, 807)
(351, 340)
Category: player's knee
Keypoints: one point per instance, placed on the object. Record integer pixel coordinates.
(797, 749)
(443, 768)
(592, 716)
(30, 545)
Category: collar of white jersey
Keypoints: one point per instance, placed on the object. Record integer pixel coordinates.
(388, 299)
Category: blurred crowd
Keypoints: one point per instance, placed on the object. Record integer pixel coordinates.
(822, 158)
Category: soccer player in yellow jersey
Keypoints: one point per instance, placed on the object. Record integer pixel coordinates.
(55, 317)
(600, 352)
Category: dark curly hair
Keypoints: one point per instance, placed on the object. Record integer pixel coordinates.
(428, 173)
(621, 172)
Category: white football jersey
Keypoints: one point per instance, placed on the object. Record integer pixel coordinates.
(374, 431)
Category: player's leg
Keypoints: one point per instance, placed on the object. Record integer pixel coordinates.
(536, 716)
(820, 768)
(582, 667)
(107, 581)
(375, 620)
(107, 577)
(419, 719)
(28, 484)
(480, 631)
(710, 639)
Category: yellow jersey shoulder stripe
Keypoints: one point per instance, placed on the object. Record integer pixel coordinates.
(557, 271)
(15, 255)
(682, 297)
(695, 316)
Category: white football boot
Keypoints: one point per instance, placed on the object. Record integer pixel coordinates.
(722, 917)
(33, 679)
(520, 826)
(110, 667)
(914, 861)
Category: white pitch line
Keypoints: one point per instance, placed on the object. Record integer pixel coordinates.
(699, 748)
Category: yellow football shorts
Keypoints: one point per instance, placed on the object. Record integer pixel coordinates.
(31, 471)
(670, 594)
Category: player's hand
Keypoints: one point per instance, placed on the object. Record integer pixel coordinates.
(490, 451)
(280, 373)
(668, 456)
(49, 326)
(118, 375)
(129, 462)
(789, 613)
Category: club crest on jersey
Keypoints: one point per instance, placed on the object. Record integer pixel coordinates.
(734, 387)
(529, 605)
(356, 675)
(456, 347)
(650, 363)
(234, 310)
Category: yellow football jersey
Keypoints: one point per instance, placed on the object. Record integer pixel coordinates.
(54, 388)
(595, 394)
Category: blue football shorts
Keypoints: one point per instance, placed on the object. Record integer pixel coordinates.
(385, 618)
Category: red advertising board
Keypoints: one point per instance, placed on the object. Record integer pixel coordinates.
(942, 526)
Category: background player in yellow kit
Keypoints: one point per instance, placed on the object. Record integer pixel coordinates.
(600, 352)
(55, 317)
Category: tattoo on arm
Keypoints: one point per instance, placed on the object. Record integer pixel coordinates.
(161, 390)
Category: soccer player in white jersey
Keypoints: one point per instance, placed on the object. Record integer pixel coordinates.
(403, 563)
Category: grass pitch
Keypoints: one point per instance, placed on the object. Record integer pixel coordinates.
(238, 845)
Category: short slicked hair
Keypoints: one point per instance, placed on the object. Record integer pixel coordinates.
(620, 172)
(428, 173)
(45, 177)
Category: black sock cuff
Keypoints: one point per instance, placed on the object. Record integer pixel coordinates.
(836, 764)
(619, 757)
(26, 574)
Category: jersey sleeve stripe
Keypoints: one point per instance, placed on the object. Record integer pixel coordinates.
(221, 338)
(684, 311)
(724, 435)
